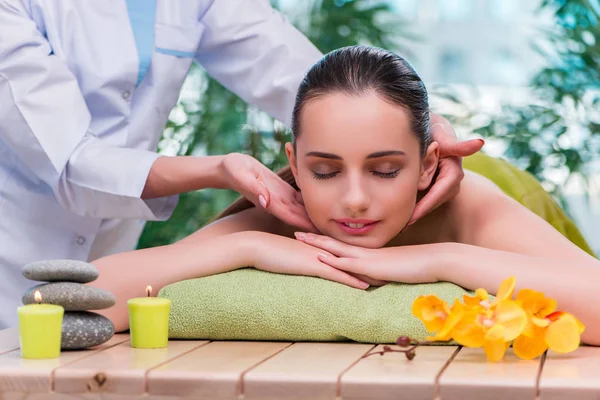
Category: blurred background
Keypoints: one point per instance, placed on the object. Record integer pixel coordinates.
(522, 74)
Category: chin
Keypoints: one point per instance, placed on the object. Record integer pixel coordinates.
(367, 241)
(373, 240)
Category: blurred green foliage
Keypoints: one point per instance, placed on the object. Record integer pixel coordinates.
(538, 136)
(557, 134)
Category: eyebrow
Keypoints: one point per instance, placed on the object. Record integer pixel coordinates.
(372, 155)
(386, 153)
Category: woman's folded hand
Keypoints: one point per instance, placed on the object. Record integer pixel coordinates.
(284, 255)
(408, 264)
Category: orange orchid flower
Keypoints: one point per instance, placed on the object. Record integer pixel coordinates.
(438, 316)
(432, 311)
(546, 328)
(530, 321)
(482, 298)
(492, 328)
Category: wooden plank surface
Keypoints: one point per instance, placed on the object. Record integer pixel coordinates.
(286, 371)
(471, 376)
(574, 375)
(303, 371)
(22, 375)
(9, 340)
(212, 371)
(80, 396)
(393, 376)
(120, 369)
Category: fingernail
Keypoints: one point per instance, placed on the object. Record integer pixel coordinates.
(437, 124)
(300, 235)
(364, 285)
(323, 255)
(262, 201)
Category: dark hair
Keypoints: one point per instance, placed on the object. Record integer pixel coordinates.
(357, 70)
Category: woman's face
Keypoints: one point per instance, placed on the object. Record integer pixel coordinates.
(359, 168)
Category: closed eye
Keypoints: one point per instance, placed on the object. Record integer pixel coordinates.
(330, 175)
(387, 175)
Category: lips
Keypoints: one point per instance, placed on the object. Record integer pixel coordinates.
(356, 226)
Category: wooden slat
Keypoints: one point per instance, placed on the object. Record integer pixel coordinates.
(393, 376)
(86, 396)
(213, 371)
(9, 340)
(571, 376)
(471, 376)
(303, 371)
(121, 369)
(18, 374)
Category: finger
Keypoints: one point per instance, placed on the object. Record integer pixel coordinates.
(354, 266)
(351, 265)
(328, 243)
(299, 198)
(460, 149)
(295, 216)
(337, 275)
(442, 190)
(369, 280)
(259, 189)
(302, 222)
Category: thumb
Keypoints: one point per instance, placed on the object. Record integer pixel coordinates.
(461, 149)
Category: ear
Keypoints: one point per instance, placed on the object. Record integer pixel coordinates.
(289, 152)
(429, 166)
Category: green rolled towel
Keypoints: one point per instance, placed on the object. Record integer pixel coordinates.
(249, 304)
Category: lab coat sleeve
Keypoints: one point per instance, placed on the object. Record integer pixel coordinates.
(256, 53)
(44, 120)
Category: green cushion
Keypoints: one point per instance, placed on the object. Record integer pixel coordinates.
(249, 304)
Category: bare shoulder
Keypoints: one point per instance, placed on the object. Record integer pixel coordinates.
(476, 189)
(485, 216)
(476, 192)
(250, 219)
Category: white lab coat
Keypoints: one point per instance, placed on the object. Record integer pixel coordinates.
(78, 132)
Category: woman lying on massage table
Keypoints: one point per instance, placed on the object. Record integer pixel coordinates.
(362, 156)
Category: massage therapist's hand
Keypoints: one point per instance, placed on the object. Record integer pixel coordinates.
(264, 188)
(279, 254)
(389, 264)
(450, 172)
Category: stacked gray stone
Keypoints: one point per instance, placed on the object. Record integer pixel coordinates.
(66, 287)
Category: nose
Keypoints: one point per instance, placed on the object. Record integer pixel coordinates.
(355, 197)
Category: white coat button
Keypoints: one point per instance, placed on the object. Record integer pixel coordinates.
(80, 240)
(126, 94)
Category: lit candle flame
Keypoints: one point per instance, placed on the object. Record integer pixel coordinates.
(149, 290)
(38, 297)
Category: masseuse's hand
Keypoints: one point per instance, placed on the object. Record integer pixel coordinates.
(390, 264)
(264, 188)
(450, 173)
